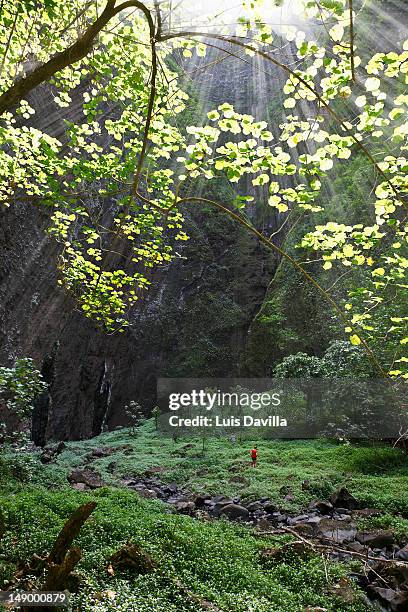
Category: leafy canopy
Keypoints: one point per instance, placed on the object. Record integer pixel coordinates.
(114, 174)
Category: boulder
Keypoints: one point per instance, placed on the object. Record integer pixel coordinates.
(397, 601)
(324, 507)
(336, 531)
(402, 554)
(146, 493)
(379, 538)
(234, 512)
(199, 501)
(342, 498)
(220, 498)
(89, 478)
(276, 517)
(314, 520)
(292, 520)
(159, 492)
(128, 481)
(395, 573)
(356, 547)
(254, 506)
(270, 507)
(340, 516)
(185, 507)
(219, 505)
(173, 499)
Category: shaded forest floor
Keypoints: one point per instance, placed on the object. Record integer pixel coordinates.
(216, 560)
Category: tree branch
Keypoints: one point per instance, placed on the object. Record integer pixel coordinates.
(79, 49)
(353, 73)
(150, 106)
(293, 74)
(69, 532)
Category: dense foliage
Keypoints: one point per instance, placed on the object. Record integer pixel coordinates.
(19, 386)
(340, 360)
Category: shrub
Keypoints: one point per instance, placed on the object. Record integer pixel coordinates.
(19, 386)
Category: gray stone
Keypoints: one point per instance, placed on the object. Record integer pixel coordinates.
(86, 476)
(292, 520)
(270, 507)
(200, 501)
(314, 520)
(220, 505)
(396, 600)
(185, 507)
(324, 507)
(252, 507)
(344, 499)
(234, 512)
(380, 538)
(402, 554)
(336, 531)
(147, 493)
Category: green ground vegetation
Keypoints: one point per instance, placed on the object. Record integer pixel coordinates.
(218, 560)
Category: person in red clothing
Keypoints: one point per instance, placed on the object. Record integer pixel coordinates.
(254, 456)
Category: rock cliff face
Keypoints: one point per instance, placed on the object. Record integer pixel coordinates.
(193, 321)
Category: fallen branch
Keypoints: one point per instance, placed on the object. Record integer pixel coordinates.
(69, 532)
(57, 576)
(62, 559)
(329, 547)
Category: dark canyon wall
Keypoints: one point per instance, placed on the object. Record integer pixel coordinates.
(193, 320)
